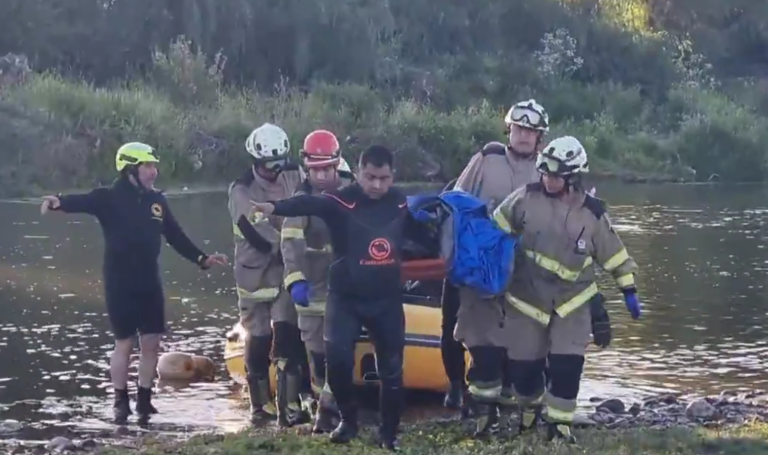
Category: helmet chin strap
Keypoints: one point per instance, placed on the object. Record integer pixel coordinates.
(273, 174)
(572, 182)
(133, 171)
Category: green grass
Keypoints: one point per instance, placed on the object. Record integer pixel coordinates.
(451, 438)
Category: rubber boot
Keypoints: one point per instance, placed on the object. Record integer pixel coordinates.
(560, 431)
(122, 407)
(347, 429)
(261, 407)
(507, 407)
(529, 418)
(288, 405)
(326, 413)
(144, 406)
(390, 404)
(468, 408)
(487, 419)
(454, 398)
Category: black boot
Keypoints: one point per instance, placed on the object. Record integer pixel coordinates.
(288, 402)
(347, 429)
(560, 431)
(454, 398)
(122, 407)
(323, 421)
(326, 413)
(390, 404)
(144, 406)
(487, 419)
(388, 442)
(261, 406)
(529, 418)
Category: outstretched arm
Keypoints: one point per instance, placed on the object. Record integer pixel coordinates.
(323, 206)
(91, 203)
(179, 241)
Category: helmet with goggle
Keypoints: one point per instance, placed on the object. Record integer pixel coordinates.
(528, 114)
(563, 157)
(269, 147)
(321, 148)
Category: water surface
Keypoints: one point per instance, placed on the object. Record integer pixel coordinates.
(702, 270)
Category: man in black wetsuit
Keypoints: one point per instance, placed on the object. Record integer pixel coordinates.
(366, 221)
(134, 217)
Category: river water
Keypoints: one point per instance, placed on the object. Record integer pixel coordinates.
(702, 271)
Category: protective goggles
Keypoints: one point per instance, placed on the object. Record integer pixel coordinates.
(528, 116)
(275, 165)
(550, 165)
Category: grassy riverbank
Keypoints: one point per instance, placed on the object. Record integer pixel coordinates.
(434, 438)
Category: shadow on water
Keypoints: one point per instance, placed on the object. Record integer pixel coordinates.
(702, 271)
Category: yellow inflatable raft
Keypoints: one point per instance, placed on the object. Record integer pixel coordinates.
(422, 368)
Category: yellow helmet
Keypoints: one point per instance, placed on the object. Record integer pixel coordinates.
(135, 153)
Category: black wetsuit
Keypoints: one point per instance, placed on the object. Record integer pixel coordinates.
(133, 223)
(364, 290)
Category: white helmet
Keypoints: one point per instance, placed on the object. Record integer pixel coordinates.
(563, 156)
(528, 114)
(343, 166)
(268, 145)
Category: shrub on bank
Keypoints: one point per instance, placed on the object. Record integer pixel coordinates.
(60, 133)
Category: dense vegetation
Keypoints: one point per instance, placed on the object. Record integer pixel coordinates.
(652, 87)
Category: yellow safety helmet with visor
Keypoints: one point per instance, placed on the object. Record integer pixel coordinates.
(134, 154)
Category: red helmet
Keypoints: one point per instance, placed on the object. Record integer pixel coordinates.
(321, 148)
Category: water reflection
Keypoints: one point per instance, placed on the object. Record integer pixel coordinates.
(702, 267)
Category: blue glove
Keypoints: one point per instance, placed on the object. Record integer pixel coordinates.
(300, 293)
(633, 305)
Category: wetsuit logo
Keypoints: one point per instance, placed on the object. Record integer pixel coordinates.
(379, 252)
(157, 211)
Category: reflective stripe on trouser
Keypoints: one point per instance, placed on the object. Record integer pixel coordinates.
(485, 373)
(314, 309)
(559, 410)
(488, 392)
(507, 396)
(563, 310)
(260, 309)
(481, 327)
(564, 387)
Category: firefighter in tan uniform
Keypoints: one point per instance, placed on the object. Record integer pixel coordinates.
(306, 247)
(564, 232)
(491, 175)
(266, 311)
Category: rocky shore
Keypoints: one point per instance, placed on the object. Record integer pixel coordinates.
(674, 410)
(659, 412)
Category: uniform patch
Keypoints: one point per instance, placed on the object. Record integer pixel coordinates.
(157, 211)
(581, 246)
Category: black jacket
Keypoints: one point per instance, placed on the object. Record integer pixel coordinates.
(133, 223)
(367, 237)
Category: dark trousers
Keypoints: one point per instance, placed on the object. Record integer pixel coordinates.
(385, 322)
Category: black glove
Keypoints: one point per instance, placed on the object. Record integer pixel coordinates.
(601, 323)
